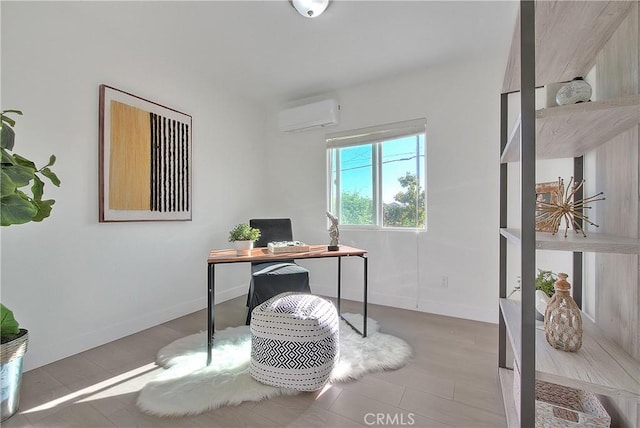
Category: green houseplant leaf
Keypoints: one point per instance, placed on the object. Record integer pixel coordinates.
(8, 323)
(51, 176)
(24, 162)
(7, 137)
(545, 281)
(7, 186)
(244, 232)
(20, 176)
(7, 134)
(44, 209)
(15, 209)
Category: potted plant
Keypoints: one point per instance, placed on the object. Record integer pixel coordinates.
(21, 195)
(545, 281)
(243, 237)
(13, 346)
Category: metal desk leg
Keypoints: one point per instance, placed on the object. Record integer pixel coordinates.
(364, 302)
(366, 283)
(339, 282)
(210, 309)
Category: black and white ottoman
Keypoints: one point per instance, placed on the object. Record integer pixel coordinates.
(294, 341)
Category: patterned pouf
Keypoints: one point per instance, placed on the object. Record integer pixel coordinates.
(294, 341)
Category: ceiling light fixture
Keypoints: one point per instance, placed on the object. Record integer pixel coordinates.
(310, 8)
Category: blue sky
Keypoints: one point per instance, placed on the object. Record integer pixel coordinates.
(398, 158)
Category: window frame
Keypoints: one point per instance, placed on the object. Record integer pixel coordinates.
(376, 136)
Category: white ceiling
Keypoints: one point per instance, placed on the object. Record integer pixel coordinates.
(266, 51)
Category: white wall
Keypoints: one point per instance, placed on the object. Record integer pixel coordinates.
(76, 283)
(461, 104)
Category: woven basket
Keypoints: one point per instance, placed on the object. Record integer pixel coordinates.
(15, 349)
(559, 406)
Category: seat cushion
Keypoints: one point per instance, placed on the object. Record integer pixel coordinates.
(294, 341)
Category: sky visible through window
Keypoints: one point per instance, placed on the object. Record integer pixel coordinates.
(398, 158)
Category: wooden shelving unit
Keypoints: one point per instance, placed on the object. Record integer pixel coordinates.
(568, 37)
(599, 366)
(572, 130)
(594, 242)
(506, 384)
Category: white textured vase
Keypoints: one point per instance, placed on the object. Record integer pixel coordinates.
(542, 300)
(576, 91)
(243, 248)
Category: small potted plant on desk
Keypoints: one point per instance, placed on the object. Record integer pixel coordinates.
(22, 202)
(243, 237)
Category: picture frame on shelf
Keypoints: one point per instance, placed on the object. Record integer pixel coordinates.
(550, 192)
(145, 161)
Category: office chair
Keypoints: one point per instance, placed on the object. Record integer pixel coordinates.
(269, 279)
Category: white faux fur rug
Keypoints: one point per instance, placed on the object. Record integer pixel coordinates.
(189, 387)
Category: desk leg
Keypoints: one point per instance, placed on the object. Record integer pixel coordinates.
(365, 261)
(339, 282)
(211, 280)
(366, 283)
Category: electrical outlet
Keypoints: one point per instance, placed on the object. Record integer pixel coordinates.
(444, 281)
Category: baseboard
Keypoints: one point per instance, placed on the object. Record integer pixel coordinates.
(57, 349)
(231, 293)
(402, 302)
(324, 290)
(459, 311)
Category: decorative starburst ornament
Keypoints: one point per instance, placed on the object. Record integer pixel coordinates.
(551, 213)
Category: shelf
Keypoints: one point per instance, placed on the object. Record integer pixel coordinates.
(600, 366)
(594, 242)
(506, 385)
(572, 130)
(511, 311)
(565, 31)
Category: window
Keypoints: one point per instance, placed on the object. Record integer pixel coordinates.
(377, 176)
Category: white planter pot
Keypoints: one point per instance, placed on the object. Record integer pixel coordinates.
(542, 300)
(243, 248)
(11, 355)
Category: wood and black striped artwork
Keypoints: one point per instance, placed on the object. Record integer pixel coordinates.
(146, 160)
(169, 174)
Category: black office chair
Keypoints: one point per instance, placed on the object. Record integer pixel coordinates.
(272, 278)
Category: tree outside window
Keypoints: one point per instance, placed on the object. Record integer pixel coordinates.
(380, 183)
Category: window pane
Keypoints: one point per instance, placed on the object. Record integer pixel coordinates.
(356, 185)
(402, 182)
(334, 186)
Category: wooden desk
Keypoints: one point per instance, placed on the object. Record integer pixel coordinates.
(262, 255)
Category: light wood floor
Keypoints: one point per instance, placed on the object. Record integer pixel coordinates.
(450, 381)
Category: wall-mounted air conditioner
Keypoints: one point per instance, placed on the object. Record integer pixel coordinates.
(317, 114)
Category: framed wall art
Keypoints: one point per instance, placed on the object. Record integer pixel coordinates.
(145, 159)
(547, 193)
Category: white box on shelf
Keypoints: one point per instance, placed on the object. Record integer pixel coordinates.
(287, 247)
